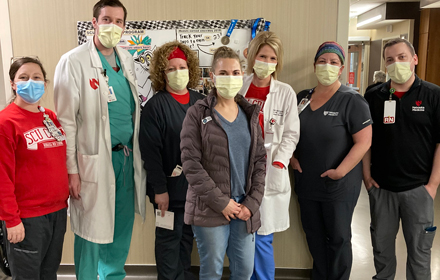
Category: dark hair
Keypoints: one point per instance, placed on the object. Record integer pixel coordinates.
(104, 3)
(393, 42)
(20, 62)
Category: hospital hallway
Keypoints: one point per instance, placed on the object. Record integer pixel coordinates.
(363, 267)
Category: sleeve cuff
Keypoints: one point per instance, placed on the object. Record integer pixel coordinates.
(160, 189)
(12, 223)
(280, 164)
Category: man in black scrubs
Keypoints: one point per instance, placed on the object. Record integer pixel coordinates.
(402, 169)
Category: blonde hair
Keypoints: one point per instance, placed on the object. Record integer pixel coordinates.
(262, 39)
(224, 52)
(159, 63)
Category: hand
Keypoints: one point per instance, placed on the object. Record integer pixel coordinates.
(333, 174)
(245, 213)
(432, 190)
(16, 234)
(231, 210)
(75, 186)
(162, 200)
(295, 164)
(369, 183)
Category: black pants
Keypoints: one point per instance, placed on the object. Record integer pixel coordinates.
(173, 249)
(328, 231)
(38, 256)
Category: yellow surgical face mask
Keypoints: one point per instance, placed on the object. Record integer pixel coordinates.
(228, 86)
(109, 35)
(178, 80)
(399, 72)
(327, 74)
(263, 69)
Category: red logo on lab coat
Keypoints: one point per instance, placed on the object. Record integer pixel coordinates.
(94, 83)
(419, 102)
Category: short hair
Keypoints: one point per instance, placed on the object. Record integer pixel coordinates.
(16, 65)
(379, 77)
(223, 52)
(395, 41)
(159, 63)
(265, 38)
(104, 3)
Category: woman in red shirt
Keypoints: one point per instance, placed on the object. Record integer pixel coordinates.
(33, 176)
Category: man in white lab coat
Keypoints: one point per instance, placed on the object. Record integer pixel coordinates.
(97, 105)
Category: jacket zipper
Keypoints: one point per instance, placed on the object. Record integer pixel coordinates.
(227, 140)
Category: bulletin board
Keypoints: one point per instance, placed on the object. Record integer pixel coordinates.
(141, 38)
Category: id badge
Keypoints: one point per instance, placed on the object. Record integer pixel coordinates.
(177, 171)
(389, 112)
(111, 95)
(303, 104)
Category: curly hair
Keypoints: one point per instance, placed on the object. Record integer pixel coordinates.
(159, 63)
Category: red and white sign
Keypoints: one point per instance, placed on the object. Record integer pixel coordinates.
(351, 78)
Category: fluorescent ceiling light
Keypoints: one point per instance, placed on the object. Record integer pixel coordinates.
(370, 20)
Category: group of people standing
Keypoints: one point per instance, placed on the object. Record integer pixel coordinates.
(218, 162)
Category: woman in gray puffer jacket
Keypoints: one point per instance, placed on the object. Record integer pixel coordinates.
(223, 159)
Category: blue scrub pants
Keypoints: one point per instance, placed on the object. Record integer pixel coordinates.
(264, 263)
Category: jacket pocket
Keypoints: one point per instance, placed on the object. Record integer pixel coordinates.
(88, 167)
(200, 205)
(277, 180)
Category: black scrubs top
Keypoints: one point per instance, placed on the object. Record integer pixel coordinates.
(326, 139)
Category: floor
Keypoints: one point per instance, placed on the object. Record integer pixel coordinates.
(362, 251)
(363, 267)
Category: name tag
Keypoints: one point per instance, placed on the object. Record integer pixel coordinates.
(389, 112)
(303, 104)
(111, 95)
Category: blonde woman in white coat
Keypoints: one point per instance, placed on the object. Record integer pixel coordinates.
(280, 125)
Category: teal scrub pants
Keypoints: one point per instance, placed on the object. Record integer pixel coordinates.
(108, 260)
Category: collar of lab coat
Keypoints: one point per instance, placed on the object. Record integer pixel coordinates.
(123, 58)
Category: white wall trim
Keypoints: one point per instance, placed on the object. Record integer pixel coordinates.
(343, 29)
(6, 53)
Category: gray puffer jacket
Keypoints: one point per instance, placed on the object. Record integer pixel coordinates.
(205, 159)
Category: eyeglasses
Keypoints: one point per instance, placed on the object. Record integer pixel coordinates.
(15, 58)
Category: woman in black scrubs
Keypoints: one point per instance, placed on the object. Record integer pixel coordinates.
(335, 129)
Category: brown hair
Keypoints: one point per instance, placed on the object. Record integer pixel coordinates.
(159, 63)
(104, 3)
(393, 42)
(265, 38)
(20, 62)
(223, 52)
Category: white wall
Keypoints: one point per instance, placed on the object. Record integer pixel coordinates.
(5, 53)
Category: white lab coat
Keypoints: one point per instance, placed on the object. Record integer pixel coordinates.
(83, 113)
(281, 134)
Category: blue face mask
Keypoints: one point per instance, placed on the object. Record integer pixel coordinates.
(30, 91)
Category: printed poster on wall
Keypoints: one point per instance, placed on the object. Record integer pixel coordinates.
(141, 38)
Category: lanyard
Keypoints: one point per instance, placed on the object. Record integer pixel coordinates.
(51, 127)
(305, 101)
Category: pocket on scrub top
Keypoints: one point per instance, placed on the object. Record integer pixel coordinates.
(88, 167)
